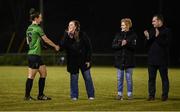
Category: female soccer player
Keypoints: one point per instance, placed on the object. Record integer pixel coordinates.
(34, 34)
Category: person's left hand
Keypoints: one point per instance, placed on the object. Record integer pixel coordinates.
(124, 42)
(87, 64)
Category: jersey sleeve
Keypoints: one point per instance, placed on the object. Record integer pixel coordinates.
(41, 32)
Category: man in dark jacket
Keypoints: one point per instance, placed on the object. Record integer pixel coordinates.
(78, 53)
(157, 40)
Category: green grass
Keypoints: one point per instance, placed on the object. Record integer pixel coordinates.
(12, 83)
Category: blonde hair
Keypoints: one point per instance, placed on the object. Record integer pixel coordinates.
(127, 21)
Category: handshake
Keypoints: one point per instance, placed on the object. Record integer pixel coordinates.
(57, 47)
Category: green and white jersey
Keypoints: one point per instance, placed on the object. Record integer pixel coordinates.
(33, 36)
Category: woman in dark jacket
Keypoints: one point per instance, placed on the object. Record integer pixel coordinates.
(124, 45)
(78, 54)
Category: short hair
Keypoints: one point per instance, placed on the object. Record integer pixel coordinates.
(159, 17)
(33, 14)
(127, 21)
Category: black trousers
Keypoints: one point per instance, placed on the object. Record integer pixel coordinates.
(163, 70)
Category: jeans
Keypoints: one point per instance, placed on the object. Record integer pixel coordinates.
(88, 83)
(120, 77)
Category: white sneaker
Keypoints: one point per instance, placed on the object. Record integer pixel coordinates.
(74, 99)
(91, 98)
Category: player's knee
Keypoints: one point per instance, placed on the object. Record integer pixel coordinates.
(43, 75)
(30, 76)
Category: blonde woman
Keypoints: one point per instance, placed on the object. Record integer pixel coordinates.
(124, 46)
(34, 34)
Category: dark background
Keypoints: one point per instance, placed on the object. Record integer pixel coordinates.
(100, 19)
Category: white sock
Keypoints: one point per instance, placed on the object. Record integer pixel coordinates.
(120, 93)
(129, 93)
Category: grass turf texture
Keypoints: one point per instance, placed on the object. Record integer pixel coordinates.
(12, 86)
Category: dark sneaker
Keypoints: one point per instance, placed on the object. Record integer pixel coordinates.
(151, 98)
(43, 97)
(130, 97)
(119, 97)
(164, 98)
(29, 98)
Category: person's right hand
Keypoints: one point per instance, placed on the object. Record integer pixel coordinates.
(57, 47)
(157, 32)
(146, 33)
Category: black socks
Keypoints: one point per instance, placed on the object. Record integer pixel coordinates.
(41, 86)
(29, 84)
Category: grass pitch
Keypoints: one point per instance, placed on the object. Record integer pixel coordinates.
(12, 87)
